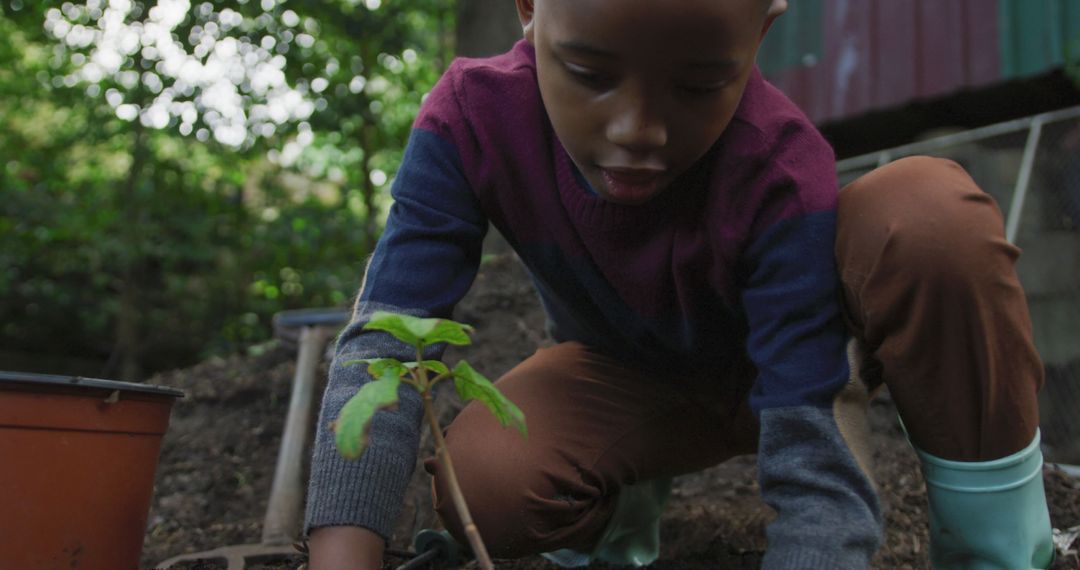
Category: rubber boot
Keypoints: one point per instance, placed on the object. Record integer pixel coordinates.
(988, 515)
(632, 536)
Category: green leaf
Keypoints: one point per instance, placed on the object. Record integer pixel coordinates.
(471, 385)
(451, 332)
(351, 427)
(435, 365)
(420, 332)
(405, 328)
(380, 367)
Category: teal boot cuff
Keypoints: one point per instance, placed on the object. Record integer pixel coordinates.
(632, 536)
(988, 514)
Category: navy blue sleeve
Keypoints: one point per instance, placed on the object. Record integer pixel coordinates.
(828, 513)
(429, 253)
(792, 302)
(423, 265)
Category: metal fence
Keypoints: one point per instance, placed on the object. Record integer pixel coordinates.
(1031, 166)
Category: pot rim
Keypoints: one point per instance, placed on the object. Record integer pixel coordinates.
(75, 381)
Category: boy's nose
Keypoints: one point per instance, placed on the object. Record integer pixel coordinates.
(635, 127)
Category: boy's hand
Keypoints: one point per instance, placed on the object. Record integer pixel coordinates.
(344, 548)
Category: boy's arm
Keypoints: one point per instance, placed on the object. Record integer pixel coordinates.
(333, 547)
(424, 263)
(829, 516)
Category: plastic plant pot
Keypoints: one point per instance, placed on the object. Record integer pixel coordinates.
(77, 463)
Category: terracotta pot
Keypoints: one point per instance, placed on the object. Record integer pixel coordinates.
(77, 462)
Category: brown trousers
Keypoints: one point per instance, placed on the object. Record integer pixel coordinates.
(931, 294)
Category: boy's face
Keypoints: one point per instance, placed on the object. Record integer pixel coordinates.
(638, 90)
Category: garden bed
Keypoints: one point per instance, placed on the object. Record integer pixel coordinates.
(218, 458)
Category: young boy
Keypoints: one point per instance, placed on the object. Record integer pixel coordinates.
(702, 280)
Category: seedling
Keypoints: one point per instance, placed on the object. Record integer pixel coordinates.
(351, 427)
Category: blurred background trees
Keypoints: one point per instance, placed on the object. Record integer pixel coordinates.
(173, 173)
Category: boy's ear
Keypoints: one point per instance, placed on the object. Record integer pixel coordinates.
(777, 8)
(525, 14)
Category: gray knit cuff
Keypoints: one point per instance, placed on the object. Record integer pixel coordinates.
(367, 492)
(828, 510)
(812, 560)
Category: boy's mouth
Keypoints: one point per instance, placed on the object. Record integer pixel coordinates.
(632, 185)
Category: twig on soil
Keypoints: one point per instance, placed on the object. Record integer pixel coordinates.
(1064, 539)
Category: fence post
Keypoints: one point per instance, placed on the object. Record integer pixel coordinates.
(1016, 208)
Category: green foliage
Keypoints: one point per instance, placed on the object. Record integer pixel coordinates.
(139, 224)
(433, 365)
(351, 427)
(471, 385)
(420, 332)
(379, 367)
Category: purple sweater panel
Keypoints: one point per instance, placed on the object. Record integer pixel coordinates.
(662, 281)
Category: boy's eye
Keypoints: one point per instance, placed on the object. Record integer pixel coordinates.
(588, 76)
(707, 88)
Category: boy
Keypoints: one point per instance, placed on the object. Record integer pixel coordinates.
(680, 220)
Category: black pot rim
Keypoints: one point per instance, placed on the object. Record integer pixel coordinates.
(75, 381)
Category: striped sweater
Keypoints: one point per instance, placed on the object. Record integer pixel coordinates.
(731, 266)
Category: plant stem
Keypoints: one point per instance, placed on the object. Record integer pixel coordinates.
(443, 455)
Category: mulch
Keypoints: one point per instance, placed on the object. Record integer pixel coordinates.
(218, 458)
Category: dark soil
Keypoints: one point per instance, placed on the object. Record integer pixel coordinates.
(218, 458)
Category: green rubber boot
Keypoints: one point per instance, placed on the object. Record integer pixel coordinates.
(988, 515)
(632, 537)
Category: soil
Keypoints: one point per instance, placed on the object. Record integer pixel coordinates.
(218, 458)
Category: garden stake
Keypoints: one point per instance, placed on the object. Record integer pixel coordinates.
(286, 494)
(471, 532)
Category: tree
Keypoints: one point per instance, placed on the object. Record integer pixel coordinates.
(174, 174)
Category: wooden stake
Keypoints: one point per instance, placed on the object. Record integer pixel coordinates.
(441, 453)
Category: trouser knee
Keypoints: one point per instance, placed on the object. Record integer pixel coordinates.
(519, 507)
(930, 285)
(921, 218)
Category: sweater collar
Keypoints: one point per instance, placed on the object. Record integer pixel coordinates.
(591, 212)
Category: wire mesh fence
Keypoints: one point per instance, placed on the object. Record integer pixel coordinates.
(1031, 167)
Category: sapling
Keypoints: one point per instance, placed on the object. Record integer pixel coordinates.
(351, 426)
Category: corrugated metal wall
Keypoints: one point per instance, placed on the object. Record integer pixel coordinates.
(841, 58)
(1035, 34)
